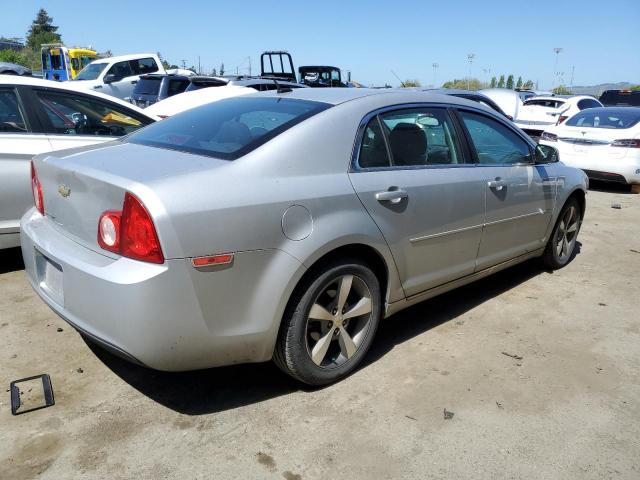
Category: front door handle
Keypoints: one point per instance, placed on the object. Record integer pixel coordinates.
(393, 196)
(497, 184)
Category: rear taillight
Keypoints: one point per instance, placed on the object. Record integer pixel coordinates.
(627, 142)
(549, 137)
(131, 232)
(36, 188)
(561, 119)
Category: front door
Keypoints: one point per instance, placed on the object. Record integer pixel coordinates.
(413, 178)
(519, 195)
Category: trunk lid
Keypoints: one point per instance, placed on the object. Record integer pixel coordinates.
(80, 184)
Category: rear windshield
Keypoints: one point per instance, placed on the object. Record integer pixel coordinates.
(148, 86)
(544, 103)
(610, 118)
(227, 129)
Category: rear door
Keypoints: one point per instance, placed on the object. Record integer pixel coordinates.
(412, 174)
(73, 119)
(519, 195)
(21, 138)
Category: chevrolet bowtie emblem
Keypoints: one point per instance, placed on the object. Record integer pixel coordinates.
(64, 190)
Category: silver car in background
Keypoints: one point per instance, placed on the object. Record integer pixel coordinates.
(286, 225)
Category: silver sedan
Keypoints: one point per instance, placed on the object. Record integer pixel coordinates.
(286, 225)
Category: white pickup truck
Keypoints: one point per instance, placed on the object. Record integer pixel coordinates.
(117, 76)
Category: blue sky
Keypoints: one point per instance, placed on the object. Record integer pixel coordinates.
(600, 39)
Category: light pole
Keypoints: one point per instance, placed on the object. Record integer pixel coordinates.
(487, 74)
(470, 56)
(557, 51)
(435, 73)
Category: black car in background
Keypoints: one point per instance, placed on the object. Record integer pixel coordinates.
(620, 98)
(154, 87)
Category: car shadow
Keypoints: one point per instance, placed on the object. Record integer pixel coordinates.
(609, 187)
(219, 389)
(11, 260)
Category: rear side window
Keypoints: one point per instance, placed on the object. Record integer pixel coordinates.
(143, 66)
(588, 103)
(230, 128)
(373, 150)
(495, 144)
(11, 116)
(79, 115)
(177, 86)
(609, 118)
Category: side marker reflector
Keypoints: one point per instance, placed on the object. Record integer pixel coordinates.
(212, 260)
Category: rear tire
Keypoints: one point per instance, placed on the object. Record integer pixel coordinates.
(329, 323)
(561, 246)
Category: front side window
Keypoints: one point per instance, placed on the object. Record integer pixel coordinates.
(229, 128)
(422, 136)
(120, 70)
(495, 144)
(11, 117)
(79, 115)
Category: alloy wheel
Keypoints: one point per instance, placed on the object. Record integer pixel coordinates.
(338, 321)
(567, 234)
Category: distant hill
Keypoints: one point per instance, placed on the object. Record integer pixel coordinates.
(597, 90)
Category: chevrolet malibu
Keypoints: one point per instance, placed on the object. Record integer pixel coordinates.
(285, 225)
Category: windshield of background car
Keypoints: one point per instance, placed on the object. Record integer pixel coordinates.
(148, 86)
(614, 119)
(227, 129)
(91, 71)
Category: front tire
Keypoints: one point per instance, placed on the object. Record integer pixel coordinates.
(562, 243)
(330, 323)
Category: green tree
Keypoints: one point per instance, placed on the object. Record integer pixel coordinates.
(222, 69)
(165, 64)
(635, 87)
(528, 85)
(463, 84)
(561, 90)
(510, 82)
(501, 82)
(494, 82)
(519, 83)
(42, 31)
(25, 57)
(411, 83)
(214, 73)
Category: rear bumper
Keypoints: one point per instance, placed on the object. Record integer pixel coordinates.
(598, 165)
(168, 317)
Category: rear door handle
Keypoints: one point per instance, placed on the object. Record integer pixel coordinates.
(393, 196)
(133, 82)
(496, 184)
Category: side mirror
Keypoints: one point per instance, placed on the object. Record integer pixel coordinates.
(110, 78)
(546, 154)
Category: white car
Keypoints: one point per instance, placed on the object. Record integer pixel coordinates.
(117, 76)
(195, 98)
(538, 113)
(38, 116)
(604, 142)
(508, 100)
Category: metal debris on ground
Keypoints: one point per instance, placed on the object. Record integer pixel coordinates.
(512, 355)
(617, 206)
(59, 329)
(448, 415)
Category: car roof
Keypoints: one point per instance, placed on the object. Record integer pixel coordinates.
(121, 58)
(39, 82)
(337, 95)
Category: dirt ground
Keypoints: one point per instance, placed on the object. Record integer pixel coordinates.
(568, 408)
